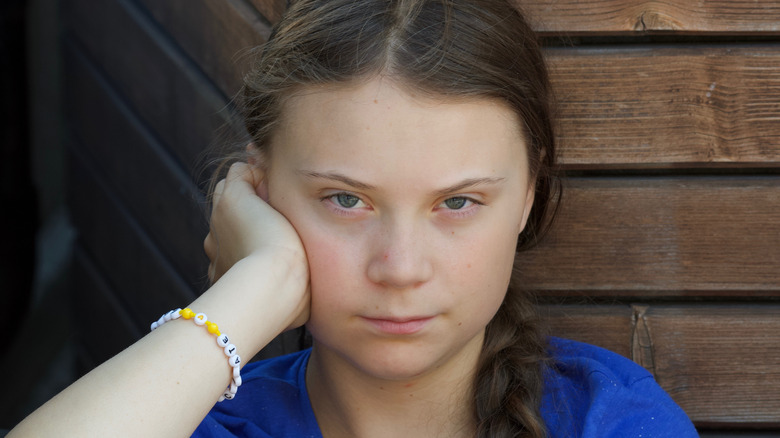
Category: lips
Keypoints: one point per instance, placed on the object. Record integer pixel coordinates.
(399, 326)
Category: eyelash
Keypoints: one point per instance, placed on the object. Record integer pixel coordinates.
(467, 210)
(337, 208)
(470, 208)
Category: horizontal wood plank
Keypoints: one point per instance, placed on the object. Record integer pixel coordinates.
(719, 362)
(663, 236)
(611, 17)
(217, 34)
(666, 107)
(142, 277)
(628, 17)
(164, 88)
(135, 165)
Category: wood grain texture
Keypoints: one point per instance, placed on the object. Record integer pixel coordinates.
(163, 87)
(718, 361)
(217, 34)
(666, 107)
(610, 17)
(676, 237)
(722, 362)
(102, 326)
(139, 273)
(271, 10)
(605, 326)
(151, 185)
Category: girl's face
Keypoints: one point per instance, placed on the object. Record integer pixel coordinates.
(409, 210)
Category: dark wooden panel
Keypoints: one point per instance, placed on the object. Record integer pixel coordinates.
(668, 106)
(722, 362)
(609, 17)
(719, 362)
(573, 17)
(627, 108)
(136, 167)
(164, 87)
(217, 34)
(606, 326)
(141, 276)
(102, 324)
(271, 10)
(684, 236)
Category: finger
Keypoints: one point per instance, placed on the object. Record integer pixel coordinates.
(239, 171)
(212, 273)
(210, 246)
(218, 190)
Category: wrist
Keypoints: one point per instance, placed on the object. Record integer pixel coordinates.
(259, 297)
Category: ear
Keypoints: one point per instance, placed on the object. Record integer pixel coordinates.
(529, 203)
(257, 162)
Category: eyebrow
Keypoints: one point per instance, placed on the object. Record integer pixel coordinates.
(468, 183)
(465, 184)
(337, 177)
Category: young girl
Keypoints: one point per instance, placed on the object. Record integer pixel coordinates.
(402, 152)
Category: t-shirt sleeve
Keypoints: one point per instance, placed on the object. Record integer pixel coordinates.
(642, 409)
(594, 393)
(220, 426)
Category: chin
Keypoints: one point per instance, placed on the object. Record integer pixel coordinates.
(397, 364)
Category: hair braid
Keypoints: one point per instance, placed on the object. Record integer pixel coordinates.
(508, 386)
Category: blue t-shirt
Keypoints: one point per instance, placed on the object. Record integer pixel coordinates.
(589, 392)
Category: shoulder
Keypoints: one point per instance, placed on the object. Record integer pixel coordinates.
(272, 402)
(592, 392)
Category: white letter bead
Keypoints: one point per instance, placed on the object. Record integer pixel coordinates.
(237, 373)
(234, 361)
(230, 350)
(237, 380)
(168, 316)
(223, 340)
(233, 388)
(154, 325)
(176, 314)
(228, 395)
(200, 319)
(161, 321)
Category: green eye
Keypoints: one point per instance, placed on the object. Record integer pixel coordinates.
(455, 203)
(346, 200)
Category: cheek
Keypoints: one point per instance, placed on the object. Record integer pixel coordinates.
(333, 267)
(487, 266)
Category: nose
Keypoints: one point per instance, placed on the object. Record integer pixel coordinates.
(400, 256)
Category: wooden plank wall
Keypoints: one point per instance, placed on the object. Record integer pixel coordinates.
(668, 245)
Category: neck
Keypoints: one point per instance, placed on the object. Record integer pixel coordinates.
(349, 403)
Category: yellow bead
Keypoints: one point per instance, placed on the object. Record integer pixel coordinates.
(212, 328)
(187, 313)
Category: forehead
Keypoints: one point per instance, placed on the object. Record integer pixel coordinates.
(380, 122)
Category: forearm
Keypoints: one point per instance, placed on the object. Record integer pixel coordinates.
(166, 383)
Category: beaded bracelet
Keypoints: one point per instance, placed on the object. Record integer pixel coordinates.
(234, 360)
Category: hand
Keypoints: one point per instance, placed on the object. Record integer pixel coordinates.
(243, 224)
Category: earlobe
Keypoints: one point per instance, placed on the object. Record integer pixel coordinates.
(253, 155)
